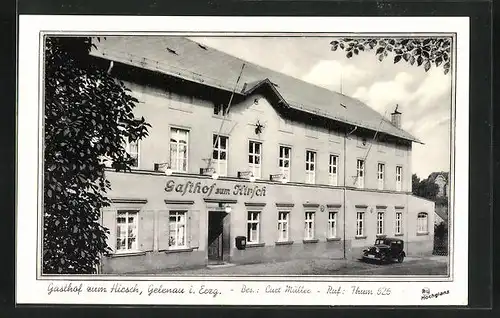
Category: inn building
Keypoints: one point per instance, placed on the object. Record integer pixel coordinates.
(244, 165)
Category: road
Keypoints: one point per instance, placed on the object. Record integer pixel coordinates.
(433, 265)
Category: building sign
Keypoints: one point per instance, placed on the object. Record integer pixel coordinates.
(209, 190)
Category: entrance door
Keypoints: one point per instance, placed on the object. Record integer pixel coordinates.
(215, 237)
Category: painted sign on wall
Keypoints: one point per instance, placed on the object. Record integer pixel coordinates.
(209, 190)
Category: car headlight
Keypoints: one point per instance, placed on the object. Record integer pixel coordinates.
(377, 250)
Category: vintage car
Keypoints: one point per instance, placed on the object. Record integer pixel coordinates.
(386, 250)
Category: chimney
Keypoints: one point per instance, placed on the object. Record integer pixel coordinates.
(396, 117)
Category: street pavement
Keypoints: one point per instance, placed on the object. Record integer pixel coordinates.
(431, 265)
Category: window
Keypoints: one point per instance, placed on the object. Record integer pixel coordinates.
(360, 223)
(132, 148)
(399, 222)
(253, 227)
(332, 224)
(283, 226)
(179, 149)
(332, 170)
(220, 109)
(360, 173)
(309, 226)
(310, 166)
(177, 229)
(254, 158)
(380, 175)
(284, 161)
(219, 154)
(399, 177)
(126, 231)
(380, 223)
(422, 223)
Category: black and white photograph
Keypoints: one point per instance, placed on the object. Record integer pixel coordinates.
(317, 156)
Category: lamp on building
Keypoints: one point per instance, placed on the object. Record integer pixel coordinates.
(225, 206)
(207, 171)
(168, 168)
(278, 177)
(246, 174)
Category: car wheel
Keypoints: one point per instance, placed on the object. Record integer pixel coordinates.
(400, 258)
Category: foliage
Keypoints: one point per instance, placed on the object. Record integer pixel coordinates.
(424, 188)
(420, 51)
(88, 118)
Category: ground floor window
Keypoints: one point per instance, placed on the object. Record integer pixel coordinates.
(283, 226)
(380, 223)
(253, 227)
(422, 223)
(332, 224)
(399, 223)
(309, 226)
(126, 231)
(360, 223)
(177, 229)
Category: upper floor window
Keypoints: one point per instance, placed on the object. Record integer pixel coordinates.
(126, 231)
(381, 175)
(220, 109)
(332, 170)
(254, 158)
(422, 226)
(285, 124)
(132, 148)
(220, 154)
(310, 166)
(360, 173)
(399, 178)
(284, 161)
(179, 140)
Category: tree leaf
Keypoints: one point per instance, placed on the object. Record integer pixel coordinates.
(420, 60)
(381, 57)
(427, 66)
(349, 54)
(397, 58)
(379, 50)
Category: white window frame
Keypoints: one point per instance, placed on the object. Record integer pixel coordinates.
(283, 226)
(176, 163)
(333, 170)
(128, 147)
(135, 223)
(399, 178)
(255, 168)
(332, 224)
(310, 160)
(253, 217)
(423, 223)
(380, 223)
(180, 223)
(217, 163)
(381, 175)
(360, 223)
(399, 222)
(360, 173)
(285, 171)
(309, 225)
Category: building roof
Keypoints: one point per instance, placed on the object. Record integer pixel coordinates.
(189, 60)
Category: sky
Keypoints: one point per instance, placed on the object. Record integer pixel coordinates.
(424, 98)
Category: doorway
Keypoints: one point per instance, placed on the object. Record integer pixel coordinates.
(218, 237)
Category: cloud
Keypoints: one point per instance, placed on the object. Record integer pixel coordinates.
(330, 73)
